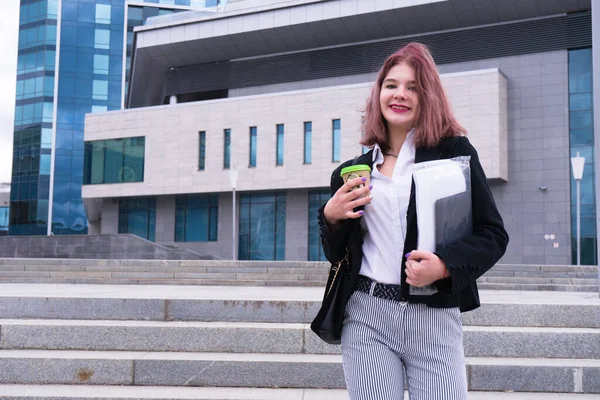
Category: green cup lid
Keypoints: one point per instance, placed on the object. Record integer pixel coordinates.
(355, 168)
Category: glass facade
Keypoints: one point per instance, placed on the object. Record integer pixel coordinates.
(279, 155)
(4, 220)
(137, 216)
(196, 218)
(90, 79)
(307, 142)
(226, 148)
(34, 107)
(262, 226)
(316, 198)
(581, 137)
(253, 134)
(336, 139)
(202, 150)
(114, 161)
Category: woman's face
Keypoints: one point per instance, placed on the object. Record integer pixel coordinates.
(399, 99)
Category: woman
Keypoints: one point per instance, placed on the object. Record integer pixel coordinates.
(408, 119)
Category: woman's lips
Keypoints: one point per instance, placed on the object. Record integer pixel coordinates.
(399, 109)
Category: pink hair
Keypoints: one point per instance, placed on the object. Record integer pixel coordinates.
(435, 120)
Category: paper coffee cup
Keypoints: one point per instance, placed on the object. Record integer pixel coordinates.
(357, 171)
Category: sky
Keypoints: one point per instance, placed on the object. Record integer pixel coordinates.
(9, 35)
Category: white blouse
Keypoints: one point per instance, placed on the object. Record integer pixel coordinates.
(384, 221)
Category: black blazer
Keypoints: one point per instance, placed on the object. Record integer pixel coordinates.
(466, 259)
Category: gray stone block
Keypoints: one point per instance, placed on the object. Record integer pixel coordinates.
(531, 344)
(67, 308)
(521, 378)
(559, 315)
(240, 310)
(211, 338)
(268, 374)
(591, 380)
(43, 370)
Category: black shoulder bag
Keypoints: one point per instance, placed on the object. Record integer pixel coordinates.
(328, 322)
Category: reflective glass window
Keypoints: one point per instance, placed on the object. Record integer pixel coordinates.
(279, 155)
(336, 139)
(253, 138)
(100, 90)
(103, 13)
(114, 161)
(101, 64)
(196, 218)
(48, 111)
(4, 218)
(102, 39)
(202, 151)
(262, 226)
(46, 138)
(53, 9)
(227, 149)
(138, 216)
(307, 142)
(45, 164)
(316, 199)
(581, 135)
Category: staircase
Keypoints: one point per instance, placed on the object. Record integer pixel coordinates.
(263, 273)
(187, 342)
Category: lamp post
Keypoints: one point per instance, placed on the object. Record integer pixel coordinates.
(577, 163)
(233, 177)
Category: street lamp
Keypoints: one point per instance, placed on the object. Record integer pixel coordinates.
(233, 177)
(577, 163)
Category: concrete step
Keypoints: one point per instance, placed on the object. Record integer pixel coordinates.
(70, 392)
(235, 337)
(303, 371)
(538, 280)
(170, 281)
(266, 304)
(535, 287)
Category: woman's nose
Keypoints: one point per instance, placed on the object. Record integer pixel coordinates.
(399, 94)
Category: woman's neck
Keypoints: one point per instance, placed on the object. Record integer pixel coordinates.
(396, 138)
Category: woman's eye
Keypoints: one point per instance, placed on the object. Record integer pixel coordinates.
(413, 88)
(391, 87)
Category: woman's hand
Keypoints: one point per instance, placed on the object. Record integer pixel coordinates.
(423, 268)
(341, 206)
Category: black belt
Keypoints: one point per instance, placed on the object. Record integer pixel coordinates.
(376, 289)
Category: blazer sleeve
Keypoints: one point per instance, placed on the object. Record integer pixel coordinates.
(471, 257)
(334, 242)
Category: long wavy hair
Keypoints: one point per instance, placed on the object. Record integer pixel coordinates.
(435, 120)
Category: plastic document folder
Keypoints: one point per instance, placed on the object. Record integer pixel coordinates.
(443, 203)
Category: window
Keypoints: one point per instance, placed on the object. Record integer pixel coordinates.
(262, 226)
(202, 151)
(307, 142)
(138, 216)
(252, 147)
(581, 138)
(336, 137)
(102, 14)
(227, 148)
(196, 218)
(101, 64)
(114, 161)
(4, 218)
(279, 154)
(102, 39)
(316, 198)
(100, 90)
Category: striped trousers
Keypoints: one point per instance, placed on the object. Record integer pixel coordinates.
(382, 339)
